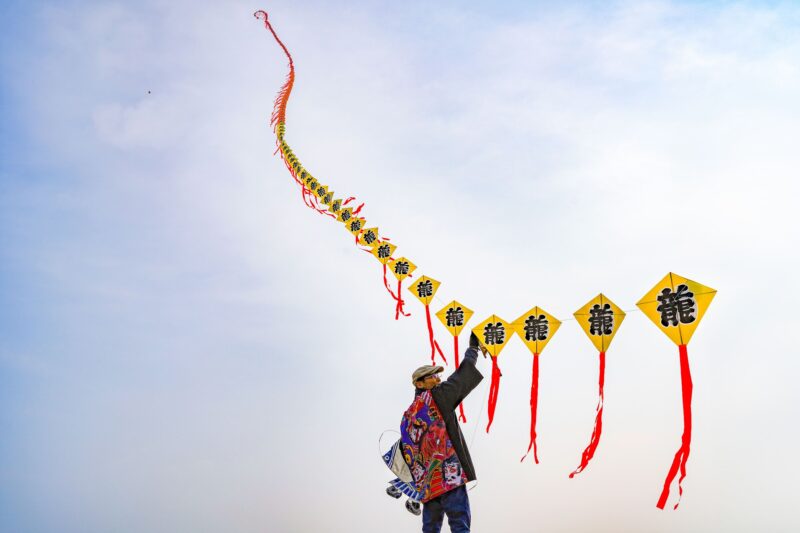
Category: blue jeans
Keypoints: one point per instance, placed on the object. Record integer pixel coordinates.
(455, 504)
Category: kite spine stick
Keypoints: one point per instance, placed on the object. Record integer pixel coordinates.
(682, 455)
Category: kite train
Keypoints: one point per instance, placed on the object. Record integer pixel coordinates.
(675, 305)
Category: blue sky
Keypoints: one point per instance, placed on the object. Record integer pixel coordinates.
(185, 347)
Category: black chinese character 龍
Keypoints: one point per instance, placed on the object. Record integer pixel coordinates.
(536, 328)
(355, 225)
(454, 317)
(384, 251)
(369, 237)
(345, 216)
(494, 333)
(677, 307)
(401, 268)
(425, 288)
(601, 320)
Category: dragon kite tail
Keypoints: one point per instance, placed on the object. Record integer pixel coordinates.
(310, 188)
(278, 119)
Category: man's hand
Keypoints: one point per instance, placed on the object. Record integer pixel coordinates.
(473, 340)
(475, 343)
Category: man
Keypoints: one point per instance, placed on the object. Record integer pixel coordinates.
(433, 445)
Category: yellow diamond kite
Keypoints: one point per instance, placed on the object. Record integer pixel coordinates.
(424, 289)
(383, 251)
(355, 225)
(494, 334)
(536, 328)
(402, 268)
(369, 237)
(345, 214)
(335, 206)
(454, 316)
(599, 319)
(676, 305)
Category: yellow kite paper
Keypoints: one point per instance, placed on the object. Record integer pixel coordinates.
(676, 305)
(345, 214)
(424, 289)
(600, 319)
(401, 268)
(355, 225)
(369, 237)
(383, 252)
(494, 334)
(535, 328)
(454, 316)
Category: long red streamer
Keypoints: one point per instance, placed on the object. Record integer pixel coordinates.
(279, 112)
(494, 391)
(460, 406)
(398, 310)
(278, 118)
(534, 403)
(682, 455)
(434, 345)
(588, 453)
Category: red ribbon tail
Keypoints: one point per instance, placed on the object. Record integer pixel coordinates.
(434, 345)
(682, 455)
(398, 310)
(494, 391)
(386, 283)
(439, 351)
(534, 403)
(588, 453)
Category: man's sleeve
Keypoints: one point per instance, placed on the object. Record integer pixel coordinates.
(452, 392)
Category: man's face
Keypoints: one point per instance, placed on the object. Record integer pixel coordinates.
(429, 382)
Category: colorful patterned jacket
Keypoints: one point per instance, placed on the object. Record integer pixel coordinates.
(433, 446)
